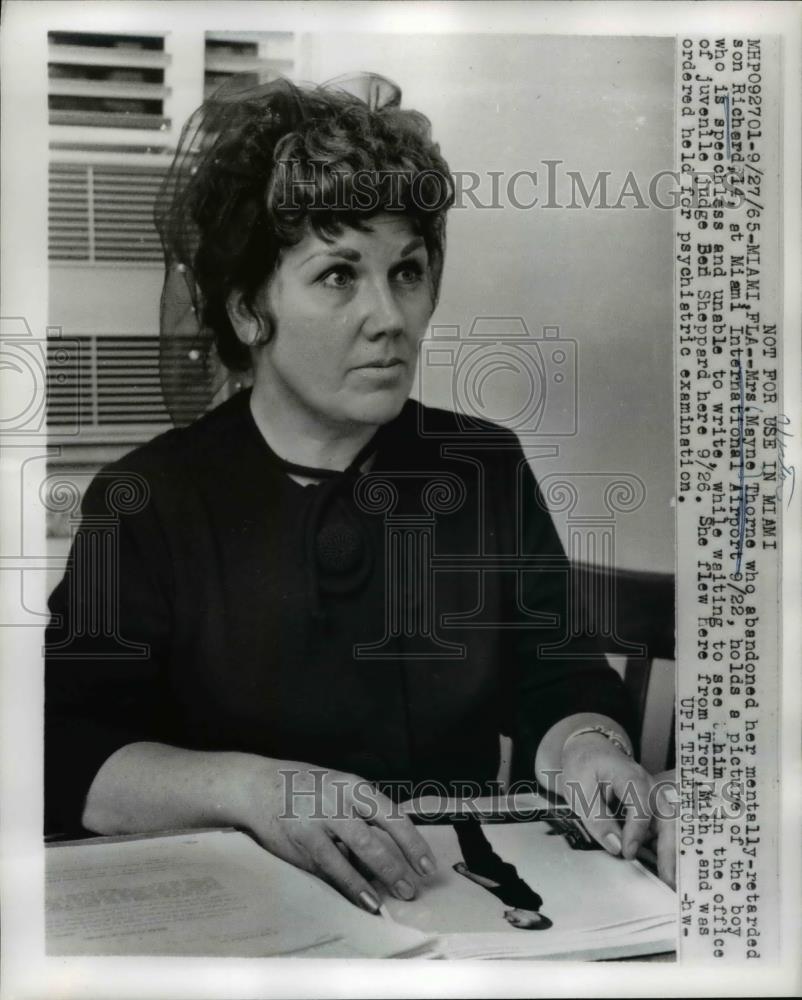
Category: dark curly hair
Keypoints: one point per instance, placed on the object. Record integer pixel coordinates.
(257, 169)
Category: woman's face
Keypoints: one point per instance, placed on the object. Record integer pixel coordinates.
(349, 317)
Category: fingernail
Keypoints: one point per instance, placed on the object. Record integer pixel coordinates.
(427, 865)
(404, 889)
(613, 841)
(369, 901)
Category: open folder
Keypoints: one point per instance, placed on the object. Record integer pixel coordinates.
(502, 890)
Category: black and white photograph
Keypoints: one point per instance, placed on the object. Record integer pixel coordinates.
(398, 461)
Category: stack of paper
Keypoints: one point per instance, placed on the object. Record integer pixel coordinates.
(206, 893)
(502, 890)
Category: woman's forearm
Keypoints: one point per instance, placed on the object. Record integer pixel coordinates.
(313, 817)
(152, 786)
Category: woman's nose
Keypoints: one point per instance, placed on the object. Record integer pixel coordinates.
(383, 317)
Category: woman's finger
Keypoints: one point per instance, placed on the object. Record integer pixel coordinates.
(380, 855)
(330, 863)
(342, 848)
(631, 787)
(590, 800)
(381, 812)
(666, 852)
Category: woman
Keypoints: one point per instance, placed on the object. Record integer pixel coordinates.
(238, 659)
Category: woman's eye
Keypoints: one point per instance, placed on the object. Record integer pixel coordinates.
(409, 274)
(337, 277)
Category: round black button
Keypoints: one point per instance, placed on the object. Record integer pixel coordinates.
(340, 548)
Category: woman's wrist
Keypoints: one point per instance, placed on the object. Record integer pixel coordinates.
(231, 782)
(578, 728)
(145, 787)
(578, 756)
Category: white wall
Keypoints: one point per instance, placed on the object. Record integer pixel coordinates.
(605, 276)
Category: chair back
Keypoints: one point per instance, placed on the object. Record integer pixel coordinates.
(629, 616)
(639, 605)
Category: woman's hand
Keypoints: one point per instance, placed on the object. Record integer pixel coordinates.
(335, 825)
(595, 774)
(327, 822)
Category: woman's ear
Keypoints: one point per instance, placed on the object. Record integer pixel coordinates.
(248, 325)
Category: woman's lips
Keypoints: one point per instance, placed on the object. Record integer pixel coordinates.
(380, 365)
(382, 371)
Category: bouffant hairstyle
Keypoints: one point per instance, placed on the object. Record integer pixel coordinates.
(259, 169)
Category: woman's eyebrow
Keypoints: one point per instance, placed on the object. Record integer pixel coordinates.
(411, 247)
(344, 252)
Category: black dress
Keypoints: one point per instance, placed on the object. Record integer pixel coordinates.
(212, 602)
